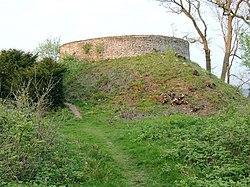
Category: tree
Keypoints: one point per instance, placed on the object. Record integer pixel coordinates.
(245, 52)
(49, 48)
(245, 49)
(192, 9)
(237, 26)
(13, 64)
(237, 8)
(20, 70)
(231, 10)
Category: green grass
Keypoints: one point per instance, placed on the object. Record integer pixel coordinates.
(128, 138)
(131, 139)
(136, 84)
(177, 150)
(133, 164)
(95, 130)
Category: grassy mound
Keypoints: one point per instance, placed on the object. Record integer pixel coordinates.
(138, 85)
(176, 150)
(104, 149)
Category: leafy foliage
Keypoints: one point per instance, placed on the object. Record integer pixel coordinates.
(245, 48)
(48, 72)
(33, 152)
(50, 48)
(13, 65)
(218, 147)
(19, 69)
(26, 143)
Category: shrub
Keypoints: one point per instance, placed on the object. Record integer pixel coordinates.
(26, 143)
(19, 69)
(32, 152)
(13, 64)
(48, 73)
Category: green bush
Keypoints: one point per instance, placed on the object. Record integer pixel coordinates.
(33, 153)
(19, 69)
(13, 64)
(47, 73)
(26, 143)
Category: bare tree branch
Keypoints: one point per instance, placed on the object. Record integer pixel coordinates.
(192, 9)
(231, 10)
(242, 80)
(236, 11)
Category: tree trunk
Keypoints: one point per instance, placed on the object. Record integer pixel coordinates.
(225, 66)
(208, 59)
(228, 46)
(228, 75)
(203, 38)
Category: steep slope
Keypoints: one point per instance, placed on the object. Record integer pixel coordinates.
(139, 85)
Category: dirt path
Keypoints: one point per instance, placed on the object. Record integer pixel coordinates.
(74, 109)
(133, 175)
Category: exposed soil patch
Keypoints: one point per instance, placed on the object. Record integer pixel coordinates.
(74, 109)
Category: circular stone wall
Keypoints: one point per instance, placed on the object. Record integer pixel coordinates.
(123, 46)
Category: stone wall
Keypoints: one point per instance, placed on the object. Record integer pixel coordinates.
(123, 46)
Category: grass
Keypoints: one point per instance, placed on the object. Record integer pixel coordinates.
(95, 130)
(137, 84)
(177, 150)
(100, 130)
(151, 143)
(127, 137)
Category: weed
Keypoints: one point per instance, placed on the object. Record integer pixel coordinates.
(86, 48)
(100, 48)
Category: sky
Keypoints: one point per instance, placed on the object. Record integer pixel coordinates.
(26, 23)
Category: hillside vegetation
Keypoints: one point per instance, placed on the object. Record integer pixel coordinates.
(138, 84)
(148, 121)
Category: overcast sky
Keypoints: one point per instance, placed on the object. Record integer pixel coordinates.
(26, 23)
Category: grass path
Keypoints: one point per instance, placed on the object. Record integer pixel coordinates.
(133, 175)
(96, 131)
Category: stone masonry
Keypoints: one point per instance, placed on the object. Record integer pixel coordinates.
(123, 46)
